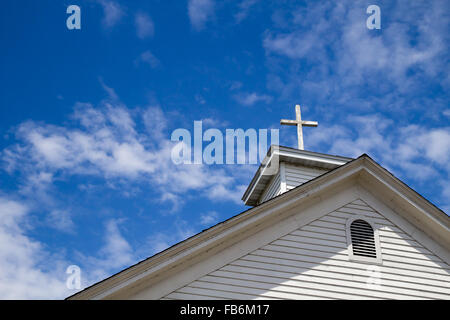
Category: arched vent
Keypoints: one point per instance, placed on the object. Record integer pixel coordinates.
(363, 239)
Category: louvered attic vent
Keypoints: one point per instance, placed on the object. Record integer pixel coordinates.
(363, 239)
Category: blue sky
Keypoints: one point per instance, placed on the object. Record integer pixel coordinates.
(86, 116)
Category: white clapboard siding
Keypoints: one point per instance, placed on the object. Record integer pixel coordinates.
(294, 176)
(312, 262)
(297, 175)
(273, 189)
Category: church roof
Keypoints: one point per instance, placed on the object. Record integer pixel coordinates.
(412, 206)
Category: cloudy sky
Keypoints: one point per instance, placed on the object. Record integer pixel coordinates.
(86, 116)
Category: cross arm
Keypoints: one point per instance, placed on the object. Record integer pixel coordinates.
(310, 123)
(289, 122)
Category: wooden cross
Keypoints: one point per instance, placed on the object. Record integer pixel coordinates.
(299, 123)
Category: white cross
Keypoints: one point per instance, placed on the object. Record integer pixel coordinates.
(299, 123)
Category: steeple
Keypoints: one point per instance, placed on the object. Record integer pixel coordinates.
(295, 167)
(285, 168)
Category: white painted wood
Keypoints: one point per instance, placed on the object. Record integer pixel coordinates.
(338, 272)
(415, 226)
(312, 262)
(297, 175)
(310, 282)
(289, 177)
(314, 275)
(359, 187)
(283, 187)
(273, 189)
(299, 123)
(278, 155)
(255, 237)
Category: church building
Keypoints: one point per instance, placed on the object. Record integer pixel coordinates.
(320, 227)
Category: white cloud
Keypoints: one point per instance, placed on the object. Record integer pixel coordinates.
(110, 91)
(114, 254)
(26, 271)
(343, 55)
(236, 85)
(411, 152)
(214, 122)
(106, 142)
(293, 45)
(249, 99)
(116, 251)
(385, 79)
(199, 98)
(200, 12)
(244, 9)
(113, 13)
(433, 144)
(163, 240)
(149, 58)
(220, 191)
(309, 32)
(376, 134)
(61, 220)
(144, 26)
(155, 123)
(30, 271)
(210, 218)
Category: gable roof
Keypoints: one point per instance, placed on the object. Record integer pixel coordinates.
(405, 201)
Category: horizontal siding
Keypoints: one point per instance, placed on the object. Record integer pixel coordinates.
(312, 263)
(333, 286)
(328, 274)
(297, 175)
